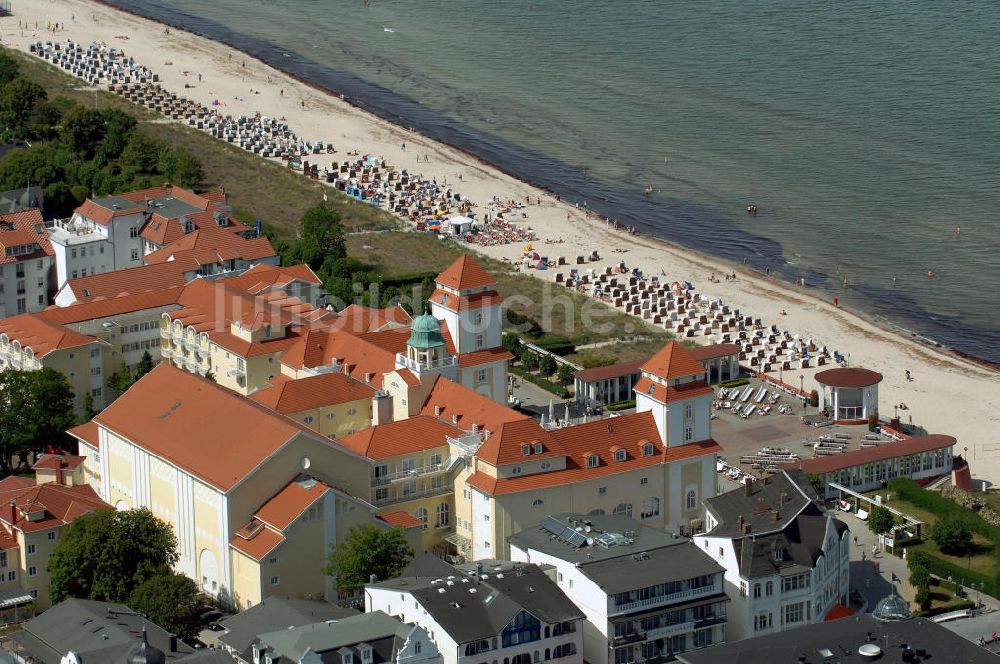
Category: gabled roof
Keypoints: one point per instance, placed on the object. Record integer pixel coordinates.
(610, 371)
(673, 361)
(42, 336)
(505, 444)
(358, 319)
(144, 278)
(465, 273)
(211, 244)
(401, 520)
(58, 461)
(297, 395)
(465, 302)
(669, 393)
(199, 426)
(787, 492)
(88, 432)
(448, 399)
(257, 541)
(56, 504)
(287, 505)
(274, 611)
(262, 277)
(407, 436)
(112, 306)
(23, 228)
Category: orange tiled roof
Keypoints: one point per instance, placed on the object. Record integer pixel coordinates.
(505, 444)
(212, 244)
(197, 425)
(466, 302)
(262, 276)
(401, 520)
(448, 398)
(487, 356)
(112, 306)
(465, 273)
(143, 278)
(358, 319)
(294, 396)
(256, 543)
(673, 361)
(35, 331)
(88, 432)
(402, 437)
(287, 505)
(59, 504)
(667, 394)
(22, 228)
(49, 462)
(102, 215)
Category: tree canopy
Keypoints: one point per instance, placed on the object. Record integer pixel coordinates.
(321, 235)
(952, 535)
(367, 550)
(170, 601)
(105, 555)
(36, 408)
(880, 520)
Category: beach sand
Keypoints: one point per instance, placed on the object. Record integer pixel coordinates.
(949, 394)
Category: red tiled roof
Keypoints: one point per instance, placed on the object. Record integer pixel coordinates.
(259, 543)
(58, 504)
(25, 228)
(401, 520)
(667, 394)
(408, 377)
(848, 377)
(915, 445)
(465, 302)
(505, 444)
(713, 351)
(103, 215)
(401, 437)
(487, 356)
(673, 361)
(358, 319)
(287, 505)
(294, 396)
(88, 432)
(213, 244)
(465, 273)
(143, 278)
(199, 426)
(67, 462)
(35, 331)
(113, 306)
(611, 371)
(262, 276)
(448, 399)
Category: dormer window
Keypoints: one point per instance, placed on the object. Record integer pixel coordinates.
(619, 455)
(366, 655)
(593, 461)
(526, 449)
(348, 658)
(650, 390)
(647, 449)
(538, 448)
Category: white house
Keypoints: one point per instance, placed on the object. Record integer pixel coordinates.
(787, 561)
(647, 593)
(26, 263)
(480, 613)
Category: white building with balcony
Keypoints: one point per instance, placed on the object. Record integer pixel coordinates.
(479, 613)
(647, 594)
(26, 263)
(787, 562)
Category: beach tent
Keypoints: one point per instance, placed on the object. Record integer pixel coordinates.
(460, 225)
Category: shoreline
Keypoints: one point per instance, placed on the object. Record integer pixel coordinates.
(881, 346)
(888, 325)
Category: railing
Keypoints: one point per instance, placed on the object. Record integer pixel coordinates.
(413, 365)
(165, 333)
(631, 637)
(662, 599)
(166, 351)
(415, 472)
(420, 493)
(468, 444)
(669, 630)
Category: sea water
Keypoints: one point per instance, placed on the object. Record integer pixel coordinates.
(866, 133)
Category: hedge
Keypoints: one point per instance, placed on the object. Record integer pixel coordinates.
(622, 405)
(943, 569)
(735, 382)
(543, 383)
(556, 345)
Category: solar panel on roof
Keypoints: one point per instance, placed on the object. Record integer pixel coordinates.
(565, 533)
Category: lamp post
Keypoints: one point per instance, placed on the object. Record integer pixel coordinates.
(802, 391)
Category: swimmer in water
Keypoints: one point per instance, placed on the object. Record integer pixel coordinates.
(930, 274)
(958, 231)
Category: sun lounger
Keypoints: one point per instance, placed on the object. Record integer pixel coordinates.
(749, 411)
(760, 395)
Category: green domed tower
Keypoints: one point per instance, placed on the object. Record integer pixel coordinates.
(425, 332)
(425, 349)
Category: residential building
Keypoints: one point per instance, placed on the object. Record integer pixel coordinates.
(787, 561)
(34, 514)
(242, 628)
(509, 612)
(115, 232)
(18, 200)
(27, 264)
(868, 468)
(370, 638)
(862, 638)
(331, 404)
(80, 631)
(255, 498)
(647, 594)
(141, 279)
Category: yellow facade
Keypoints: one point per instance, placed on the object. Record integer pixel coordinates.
(337, 420)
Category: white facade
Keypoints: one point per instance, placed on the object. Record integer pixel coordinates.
(408, 608)
(25, 285)
(83, 247)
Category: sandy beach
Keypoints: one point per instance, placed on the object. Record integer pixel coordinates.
(948, 394)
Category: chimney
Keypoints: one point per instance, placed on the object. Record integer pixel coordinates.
(747, 486)
(381, 408)
(775, 516)
(59, 469)
(740, 523)
(747, 528)
(10, 514)
(173, 643)
(784, 497)
(761, 506)
(372, 578)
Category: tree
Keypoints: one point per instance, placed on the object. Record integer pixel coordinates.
(189, 172)
(952, 535)
(529, 360)
(141, 154)
(144, 367)
(83, 130)
(106, 554)
(321, 235)
(119, 126)
(512, 343)
(170, 601)
(817, 483)
(122, 379)
(920, 576)
(36, 408)
(367, 550)
(9, 69)
(547, 365)
(19, 101)
(880, 520)
(88, 408)
(566, 374)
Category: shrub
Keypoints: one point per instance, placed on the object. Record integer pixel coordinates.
(880, 520)
(547, 365)
(622, 405)
(952, 535)
(734, 382)
(546, 385)
(814, 398)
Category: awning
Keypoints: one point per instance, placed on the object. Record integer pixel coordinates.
(463, 543)
(14, 597)
(863, 515)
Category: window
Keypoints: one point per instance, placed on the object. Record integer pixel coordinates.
(643, 481)
(275, 580)
(793, 613)
(3, 558)
(537, 502)
(688, 434)
(421, 514)
(52, 535)
(478, 318)
(647, 449)
(692, 500)
(31, 549)
(650, 508)
(623, 508)
(135, 254)
(408, 465)
(11, 576)
(32, 571)
(524, 628)
(526, 449)
(308, 419)
(480, 342)
(481, 376)
(381, 493)
(756, 590)
(72, 252)
(133, 231)
(688, 411)
(516, 470)
(381, 471)
(603, 490)
(769, 588)
(273, 560)
(539, 448)
(443, 515)
(619, 455)
(593, 461)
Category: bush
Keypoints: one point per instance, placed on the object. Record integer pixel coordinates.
(546, 385)
(923, 597)
(622, 405)
(952, 535)
(558, 345)
(814, 399)
(880, 520)
(735, 382)
(547, 365)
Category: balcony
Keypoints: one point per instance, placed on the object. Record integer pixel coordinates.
(413, 473)
(401, 497)
(631, 637)
(662, 600)
(166, 352)
(204, 353)
(670, 630)
(236, 372)
(443, 363)
(164, 333)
